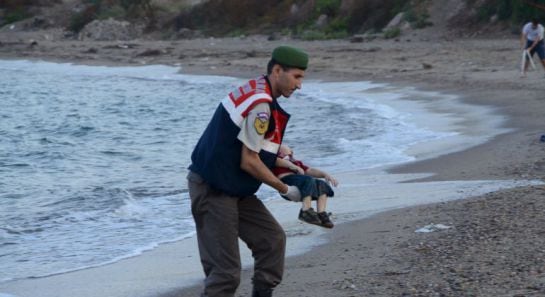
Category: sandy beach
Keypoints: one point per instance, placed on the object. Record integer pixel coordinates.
(494, 244)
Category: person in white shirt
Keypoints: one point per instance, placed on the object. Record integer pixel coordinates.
(532, 40)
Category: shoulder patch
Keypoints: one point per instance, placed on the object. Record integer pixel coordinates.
(261, 123)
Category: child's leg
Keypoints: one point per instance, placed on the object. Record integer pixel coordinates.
(321, 203)
(322, 214)
(306, 203)
(307, 214)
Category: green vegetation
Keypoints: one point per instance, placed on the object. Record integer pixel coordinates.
(415, 12)
(118, 9)
(312, 35)
(392, 33)
(296, 18)
(511, 11)
(114, 12)
(14, 11)
(417, 20)
(82, 18)
(328, 7)
(15, 15)
(305, 19)
(236, 33)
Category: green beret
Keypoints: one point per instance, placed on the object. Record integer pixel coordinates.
(290, 56)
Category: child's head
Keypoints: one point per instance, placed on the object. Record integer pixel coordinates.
(284, 151)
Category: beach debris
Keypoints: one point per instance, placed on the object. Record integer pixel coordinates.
(91, 50)
(251, 54)
(186, 33)
(121, 46)
(542, 138)
(149, 52)
(427, 66)
(274, 36)
(348, 286)
(394, 273)
(32, 43)
(432, 228)
(345, 284)
(356, 39)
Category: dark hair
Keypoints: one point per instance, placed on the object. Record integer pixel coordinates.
(273, 62)
(534, 21)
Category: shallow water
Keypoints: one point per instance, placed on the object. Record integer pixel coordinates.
(93, 159)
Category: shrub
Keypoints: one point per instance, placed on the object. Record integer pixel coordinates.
(337, 25)
(313, 35)
(15, 16)
(513, 11)
(392, 33)
(417, 18)
(114, 12)
(79, 20)
(328, 7)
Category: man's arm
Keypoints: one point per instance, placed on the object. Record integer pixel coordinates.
(253, 129)
(252, 132)
(523, 38)
(533, 44)
(252, 164)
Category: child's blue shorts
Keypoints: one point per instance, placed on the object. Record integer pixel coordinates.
(308, 186)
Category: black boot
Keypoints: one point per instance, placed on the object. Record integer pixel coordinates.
(267, 292)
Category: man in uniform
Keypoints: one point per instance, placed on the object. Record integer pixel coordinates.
(232, 158)
(531, 39)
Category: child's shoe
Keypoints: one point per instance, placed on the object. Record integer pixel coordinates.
(324, 220)
(310, 216)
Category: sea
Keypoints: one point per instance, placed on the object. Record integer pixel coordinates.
(93, 159)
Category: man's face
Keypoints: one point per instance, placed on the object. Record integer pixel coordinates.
(289, 80)
(534, 26)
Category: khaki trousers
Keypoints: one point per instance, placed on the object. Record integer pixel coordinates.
(220, 220)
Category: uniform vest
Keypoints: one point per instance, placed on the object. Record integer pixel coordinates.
(217, 156)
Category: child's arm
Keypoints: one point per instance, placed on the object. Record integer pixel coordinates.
(288, 164)
(314, 172)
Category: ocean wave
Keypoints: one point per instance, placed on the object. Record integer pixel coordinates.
(14, 165)
(19, 231)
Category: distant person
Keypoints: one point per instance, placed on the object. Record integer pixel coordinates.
(234, 155)
(308, 180)
(532, 40)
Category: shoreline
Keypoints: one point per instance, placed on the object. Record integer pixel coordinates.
(429, 105)
(472, 164)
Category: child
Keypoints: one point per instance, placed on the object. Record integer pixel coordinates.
(308, 180)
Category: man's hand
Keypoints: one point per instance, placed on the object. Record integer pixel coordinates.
(292, 194)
